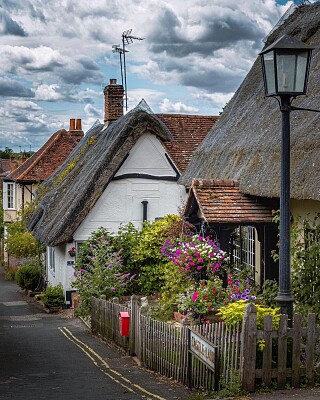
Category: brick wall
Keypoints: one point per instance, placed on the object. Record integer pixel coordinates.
(113, 102)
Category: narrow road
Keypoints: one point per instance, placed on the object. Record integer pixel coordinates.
(51, 357)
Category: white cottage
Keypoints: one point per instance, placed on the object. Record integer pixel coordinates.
(124, 171)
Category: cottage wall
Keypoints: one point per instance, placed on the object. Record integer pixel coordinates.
(147, 174)
(144, 176)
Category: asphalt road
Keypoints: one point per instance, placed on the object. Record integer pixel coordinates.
(50, 357)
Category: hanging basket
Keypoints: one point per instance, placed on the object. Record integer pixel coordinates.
(72, 253)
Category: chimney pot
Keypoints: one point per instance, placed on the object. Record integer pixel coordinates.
(72, 124)
(113, 81)
(78, 125)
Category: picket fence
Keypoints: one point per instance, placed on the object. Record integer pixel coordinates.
(163, 347)
(290, 355)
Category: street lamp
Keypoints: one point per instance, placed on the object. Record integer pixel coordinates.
(285, 66)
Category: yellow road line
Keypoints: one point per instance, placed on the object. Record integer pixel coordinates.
(84, 347)
(91, 358)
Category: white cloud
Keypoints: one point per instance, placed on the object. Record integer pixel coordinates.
(19, 58)
(48, 92)
(168, 107)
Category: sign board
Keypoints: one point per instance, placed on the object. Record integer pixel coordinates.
(70, 262)
(203, 350)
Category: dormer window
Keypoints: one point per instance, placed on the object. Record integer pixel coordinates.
(9, 202)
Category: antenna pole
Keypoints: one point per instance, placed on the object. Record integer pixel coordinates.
(121, 67)
(127, 38)
(125, 71)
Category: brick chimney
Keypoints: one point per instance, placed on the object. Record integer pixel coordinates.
(113, 102)
(75, 125)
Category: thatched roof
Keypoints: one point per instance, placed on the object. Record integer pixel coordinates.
(74, 188)
(244, 145)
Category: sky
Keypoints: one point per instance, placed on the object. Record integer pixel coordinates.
(56, 58)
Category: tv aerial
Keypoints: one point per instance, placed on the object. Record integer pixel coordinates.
(127, 39)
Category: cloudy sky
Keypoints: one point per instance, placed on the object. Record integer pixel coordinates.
(56, 57)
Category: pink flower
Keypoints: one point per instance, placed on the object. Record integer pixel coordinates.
(192, 264)
(199, 267)
(195, 296)
(200, 260)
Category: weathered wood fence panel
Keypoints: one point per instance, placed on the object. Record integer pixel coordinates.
(163, 347)
(289, 356)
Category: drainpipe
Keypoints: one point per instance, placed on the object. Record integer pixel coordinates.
(145, 210)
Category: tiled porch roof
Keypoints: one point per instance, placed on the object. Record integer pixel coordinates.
(220, 201)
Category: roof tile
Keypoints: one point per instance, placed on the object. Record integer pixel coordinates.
(188, 132)
(48, 158)
(221, 201)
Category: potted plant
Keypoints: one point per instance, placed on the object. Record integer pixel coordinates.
(53, 298)
(72, 251)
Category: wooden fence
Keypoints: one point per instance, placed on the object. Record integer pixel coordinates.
(163, 347)
(289, 356)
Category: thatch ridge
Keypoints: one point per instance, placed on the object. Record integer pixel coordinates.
(244, 145)
(76, 186)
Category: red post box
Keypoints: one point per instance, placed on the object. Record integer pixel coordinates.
(124, 319)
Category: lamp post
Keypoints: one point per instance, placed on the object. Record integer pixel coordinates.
(285, 66)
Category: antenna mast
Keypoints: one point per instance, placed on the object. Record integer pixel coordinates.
(127, 39)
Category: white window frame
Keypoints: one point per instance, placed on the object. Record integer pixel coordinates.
(9, 189)
(51, 261)
(244, 247)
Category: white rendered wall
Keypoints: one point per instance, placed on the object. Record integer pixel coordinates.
(121, 201)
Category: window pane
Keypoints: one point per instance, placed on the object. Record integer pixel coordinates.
(291, 71)
(269, 71)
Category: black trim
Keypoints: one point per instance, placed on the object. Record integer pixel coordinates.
(146, 176)
(173, 166)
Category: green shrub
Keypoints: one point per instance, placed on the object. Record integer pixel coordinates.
(28, 276)
(53, 296)
(232, 314)
(10, 273)
(147, 252)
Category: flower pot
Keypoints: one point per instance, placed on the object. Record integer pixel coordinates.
(212, 316)
(72, 253)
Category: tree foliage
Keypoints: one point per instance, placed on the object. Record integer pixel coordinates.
(19, 242)
(305, 269)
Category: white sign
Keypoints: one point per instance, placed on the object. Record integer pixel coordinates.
(203, 349)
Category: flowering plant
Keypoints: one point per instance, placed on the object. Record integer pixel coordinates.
(72, 250)
(201, 298)
(195, 254)
(240, 289)
(101, 273)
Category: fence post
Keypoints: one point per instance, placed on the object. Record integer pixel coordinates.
(134, 323)
(310, 348)
(248, 348)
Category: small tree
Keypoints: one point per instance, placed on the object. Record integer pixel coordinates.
(20, 243)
